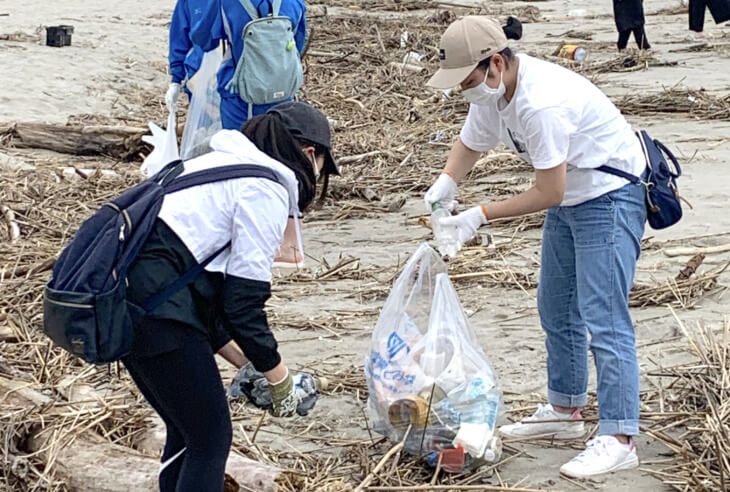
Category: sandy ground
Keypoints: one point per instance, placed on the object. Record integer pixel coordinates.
(123, 45)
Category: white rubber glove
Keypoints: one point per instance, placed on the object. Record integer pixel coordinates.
(466, 223)
(444, 191)
(173, 93)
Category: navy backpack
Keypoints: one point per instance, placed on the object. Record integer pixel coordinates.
(663, 204)
(84, 305)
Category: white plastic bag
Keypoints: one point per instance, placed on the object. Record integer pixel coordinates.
(204, 117)
(427, 372)
(165, 147)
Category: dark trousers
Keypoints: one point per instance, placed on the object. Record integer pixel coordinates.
(185, 389)
(639, 36)
(697, 15)
(720, 10)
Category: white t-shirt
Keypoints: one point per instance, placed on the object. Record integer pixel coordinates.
(250, 212)
(559, 116)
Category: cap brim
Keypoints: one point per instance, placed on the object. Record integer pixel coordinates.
(330, 167)
(446, 78)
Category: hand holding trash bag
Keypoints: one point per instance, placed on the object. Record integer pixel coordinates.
(172, 95)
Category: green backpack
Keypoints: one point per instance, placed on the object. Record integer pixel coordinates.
(269, 70)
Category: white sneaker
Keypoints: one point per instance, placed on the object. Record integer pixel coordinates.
(532, 427)
(602, 455)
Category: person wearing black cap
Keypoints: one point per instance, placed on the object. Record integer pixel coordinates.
(172, 359)
(311, 129)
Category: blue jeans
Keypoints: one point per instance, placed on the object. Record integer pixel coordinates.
(589, 255)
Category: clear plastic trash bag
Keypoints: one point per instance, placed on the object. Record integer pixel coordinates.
(427, 374)
(165, 147)
(204, 116)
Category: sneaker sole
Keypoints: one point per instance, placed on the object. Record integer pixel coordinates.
(626, 465)
(562, 435)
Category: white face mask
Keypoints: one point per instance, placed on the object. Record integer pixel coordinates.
(483, 95)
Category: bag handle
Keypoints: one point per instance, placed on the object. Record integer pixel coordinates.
(669, 154)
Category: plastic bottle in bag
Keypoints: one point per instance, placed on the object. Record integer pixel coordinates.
(473, 408)
(447, 241)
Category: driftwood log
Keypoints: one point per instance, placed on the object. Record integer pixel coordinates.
(122, 142)
(90, 463)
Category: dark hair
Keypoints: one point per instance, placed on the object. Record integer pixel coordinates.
(513, 30)
(272, 138)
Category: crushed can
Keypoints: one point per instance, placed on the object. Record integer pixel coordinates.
(572, 52)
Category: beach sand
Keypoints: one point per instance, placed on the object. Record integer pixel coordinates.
(120, 48)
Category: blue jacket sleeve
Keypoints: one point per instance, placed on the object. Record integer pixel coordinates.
(209, 30)
(300, 37)
(179, 41)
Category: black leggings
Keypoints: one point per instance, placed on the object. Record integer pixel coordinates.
(185, 388)
(639, 36)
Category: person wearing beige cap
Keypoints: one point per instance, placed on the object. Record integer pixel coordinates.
(566, 128)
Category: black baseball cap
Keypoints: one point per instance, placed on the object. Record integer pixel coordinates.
(308, 123)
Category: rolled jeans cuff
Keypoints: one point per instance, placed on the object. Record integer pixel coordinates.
(613, 427)
(570, 401)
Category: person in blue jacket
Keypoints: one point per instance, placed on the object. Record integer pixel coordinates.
(185, 58)
(225, 20)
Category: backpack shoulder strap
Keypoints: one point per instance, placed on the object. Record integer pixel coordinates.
(181, 282)
(221, 173)
(275, 7)
(250, 9)
(194, 179)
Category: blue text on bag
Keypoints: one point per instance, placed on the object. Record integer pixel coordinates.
(84, 306)
(663, 204)
(270, 69)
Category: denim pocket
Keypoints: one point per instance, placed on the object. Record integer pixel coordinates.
(593, 223)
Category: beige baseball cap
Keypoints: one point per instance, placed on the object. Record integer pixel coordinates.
(466, 42)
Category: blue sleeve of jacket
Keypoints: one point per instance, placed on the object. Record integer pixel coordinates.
(300, 37)
(179, 41)
(209, 30)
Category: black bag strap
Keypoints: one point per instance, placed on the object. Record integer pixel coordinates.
(181, 282)
(621, 174)
(221, 173)
(212, 175)
(633, 179)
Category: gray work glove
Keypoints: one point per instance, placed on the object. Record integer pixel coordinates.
(253, 385)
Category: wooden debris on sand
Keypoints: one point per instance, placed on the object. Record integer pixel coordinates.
(691, 102)
(693, 418)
